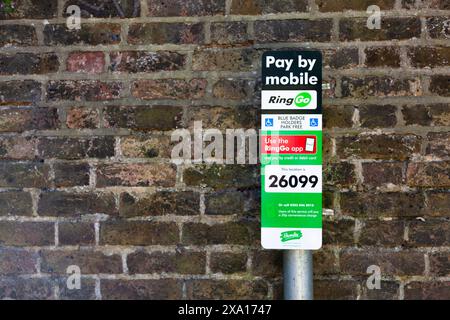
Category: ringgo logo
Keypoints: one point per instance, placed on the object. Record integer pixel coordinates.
(289, 99)
(302, 99)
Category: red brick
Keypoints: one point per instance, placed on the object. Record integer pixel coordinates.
(226, 289)
(162, 33)
(83, 90)
(83, 118)
(382, 233)
(184, 262)
(146, 61)
(141, 289)
(427, 291)
(86, 62)
(13, 233)
(138, 233)
(401, 263)
(428, 174)
(76, 233)
(378, 147)
(186, 8)
(135, 174)
(17, 261)
(300, 30)
(90, 262)
(173, 89)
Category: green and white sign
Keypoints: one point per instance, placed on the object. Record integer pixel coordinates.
(291, 150)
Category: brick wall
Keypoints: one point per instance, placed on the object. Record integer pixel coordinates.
(85, 171)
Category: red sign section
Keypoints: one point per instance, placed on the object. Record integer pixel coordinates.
(288, 144)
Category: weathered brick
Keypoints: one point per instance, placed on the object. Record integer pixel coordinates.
(389, 204)
(344, 58)
(17, 92)
(15, 203)
(162, 32)
(229, 32)
(224, 202)
(223, 60)
(185, 8)
(339, 175)
(102, 9)
(26, 289)
(382, 57)
(24, 174)
(299, 30)
(224, 233)
(363, 87)
(429, 57)
(17, 35)
(13, 233)
(61, 203)
(335, 290)
(76, 233)
(378, 147)
(173, 89)
(23, 119)
(226, 289)
(83, 90)
(438, 203)
(427, 290)
(138, 233)
(439, 85)
(89, 34)
(17, 261)
(325, 262)
(426, 4)
(135, 174)
(338, 232)
(146, 146)
(391, 29)
(382, 233)
(146, 61)
(438, 144)
(357, 5)
(31, 9)
(76, 148)
(86, 291)
(389, 290)
(86, 62)
(429, 233)
(222, 176)
(143, 118)
(440, 263)
(141, 289)
(159, 203)
(17, 147)
(90, 262)
(428, 174)
(374, 116)
(223, 118)
(228, 262)
(184, 262)
(382, 174)
(438, 115)
(438, 27)
(401, 263)
(28, 63)
(338, 116)
(258, 7)
(82, 118)
(236, 89)
(268, 263)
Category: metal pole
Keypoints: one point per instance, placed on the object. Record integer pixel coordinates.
(298, 275)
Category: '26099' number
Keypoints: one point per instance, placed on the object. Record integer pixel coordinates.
(293, 181)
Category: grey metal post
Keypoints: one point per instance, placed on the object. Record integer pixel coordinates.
(298, 275)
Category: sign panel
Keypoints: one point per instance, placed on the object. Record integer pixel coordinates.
(291, 150)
